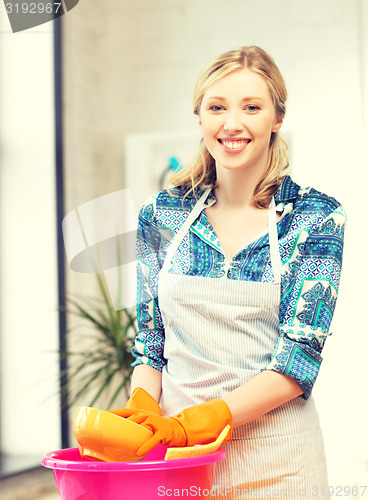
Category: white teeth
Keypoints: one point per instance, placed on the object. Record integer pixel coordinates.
(234, 144)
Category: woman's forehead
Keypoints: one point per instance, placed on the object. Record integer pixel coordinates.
(242, 83)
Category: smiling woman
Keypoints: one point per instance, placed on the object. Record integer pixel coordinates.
(234, 308)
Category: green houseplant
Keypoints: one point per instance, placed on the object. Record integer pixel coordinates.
(104, 369)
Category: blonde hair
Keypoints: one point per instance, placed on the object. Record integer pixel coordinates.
(201, 171)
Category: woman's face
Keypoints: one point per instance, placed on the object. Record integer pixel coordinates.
(237, 117)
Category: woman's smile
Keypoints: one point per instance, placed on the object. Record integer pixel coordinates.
(233, 146)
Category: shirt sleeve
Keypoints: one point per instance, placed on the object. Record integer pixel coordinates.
(308, 300)
(149, 343)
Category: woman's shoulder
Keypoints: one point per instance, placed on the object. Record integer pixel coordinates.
(167, 203)
(318, 200)
(171, 199)
(308, 199)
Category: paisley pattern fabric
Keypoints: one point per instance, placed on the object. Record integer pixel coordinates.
(310, 235)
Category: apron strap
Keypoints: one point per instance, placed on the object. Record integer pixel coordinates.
(185, 228)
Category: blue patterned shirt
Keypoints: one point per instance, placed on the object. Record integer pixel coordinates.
(310, 232)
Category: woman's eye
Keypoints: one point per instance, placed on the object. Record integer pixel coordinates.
(216, 108)
(252, 108)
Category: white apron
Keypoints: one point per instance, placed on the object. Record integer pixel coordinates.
(219, 333)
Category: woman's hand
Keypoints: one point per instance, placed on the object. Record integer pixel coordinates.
(142, 400)
(166, 430)
(198, 424)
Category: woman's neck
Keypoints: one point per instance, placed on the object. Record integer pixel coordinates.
(234, 189)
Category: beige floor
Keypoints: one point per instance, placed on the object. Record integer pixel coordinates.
(34, 485)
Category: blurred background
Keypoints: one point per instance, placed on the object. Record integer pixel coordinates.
(99, 101)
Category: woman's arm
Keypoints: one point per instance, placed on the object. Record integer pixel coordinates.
(149, 342)
(149, 379)
(263, 393)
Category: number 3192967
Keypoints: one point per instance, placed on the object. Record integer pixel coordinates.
(33, 8)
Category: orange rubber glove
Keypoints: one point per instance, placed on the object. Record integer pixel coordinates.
(140, 400)
(198, 424)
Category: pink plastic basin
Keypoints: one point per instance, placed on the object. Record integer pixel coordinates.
(151, 478)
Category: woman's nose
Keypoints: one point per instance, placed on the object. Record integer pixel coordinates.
(233, 122)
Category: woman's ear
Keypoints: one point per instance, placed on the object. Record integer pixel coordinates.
(198, 115)
(277, 125)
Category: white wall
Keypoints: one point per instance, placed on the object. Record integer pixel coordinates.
(30, 420)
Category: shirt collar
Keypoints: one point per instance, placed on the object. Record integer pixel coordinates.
(287, 191)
